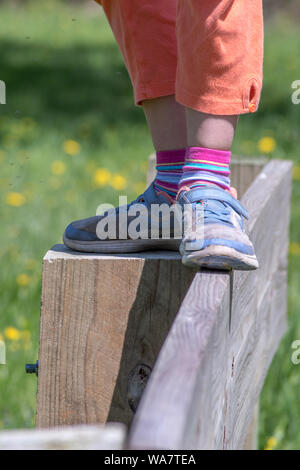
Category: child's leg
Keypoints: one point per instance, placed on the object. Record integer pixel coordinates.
(219, 76)
(220, 52)
(146, 34)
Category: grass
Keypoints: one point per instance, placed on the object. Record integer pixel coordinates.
(66, 82)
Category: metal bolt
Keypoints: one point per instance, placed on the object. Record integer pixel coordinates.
(32, 368)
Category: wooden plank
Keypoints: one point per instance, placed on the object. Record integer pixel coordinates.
(251, 441)
(208, 376)
(244, 171)
(109, 437)
(103, 322)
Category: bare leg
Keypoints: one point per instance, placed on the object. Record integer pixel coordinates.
(167, 123)
(210, 130)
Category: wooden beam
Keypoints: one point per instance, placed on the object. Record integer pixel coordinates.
(103, 322)
(204, 388)
(110, 437)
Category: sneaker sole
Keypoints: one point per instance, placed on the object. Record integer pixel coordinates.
(121, 246)
(220, 257)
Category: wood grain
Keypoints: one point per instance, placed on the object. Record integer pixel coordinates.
(101, 317)
(107, 321)
(110, 437)
(204, 388)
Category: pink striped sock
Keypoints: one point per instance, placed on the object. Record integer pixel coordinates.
(204, 167)
(169, 164)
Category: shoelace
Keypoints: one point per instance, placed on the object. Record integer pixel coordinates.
(218, 214)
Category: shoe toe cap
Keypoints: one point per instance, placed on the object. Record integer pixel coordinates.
(72, 232)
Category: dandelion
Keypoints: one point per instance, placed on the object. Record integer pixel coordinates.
(101, 177)
(271, 443)
(266, 144)
(118, 182)
(294, 248)
(12, 333)
(23, 280)
(71, 147)
(15, 199)
(296, 172)
(58, 167)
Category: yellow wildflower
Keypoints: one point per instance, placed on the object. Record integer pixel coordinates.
(58, 167)
(271, 443)
(71, 147)
(118, 182)
(296, 172)
(294, 248)
(101, 177)
(23, 280)
(266, 144)
(15, 199)
(12, 333)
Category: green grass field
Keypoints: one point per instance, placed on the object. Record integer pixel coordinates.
(71, 138)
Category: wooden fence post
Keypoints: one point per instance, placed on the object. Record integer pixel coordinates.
(207, 379)
(103, 322)
(106, 321)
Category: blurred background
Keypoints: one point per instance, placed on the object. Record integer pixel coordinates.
(70, 138)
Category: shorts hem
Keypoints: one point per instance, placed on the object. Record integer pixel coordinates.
(211, 106)
(154, 90)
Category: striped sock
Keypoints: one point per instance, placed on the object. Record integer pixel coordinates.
(204, 167)
(169, 164)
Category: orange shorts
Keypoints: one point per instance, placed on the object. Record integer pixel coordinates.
(209, 53)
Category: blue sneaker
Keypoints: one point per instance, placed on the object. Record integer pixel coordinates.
(83, 235)
(214, 237)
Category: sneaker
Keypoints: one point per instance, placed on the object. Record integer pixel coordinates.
(81, 235)
(215, 237)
